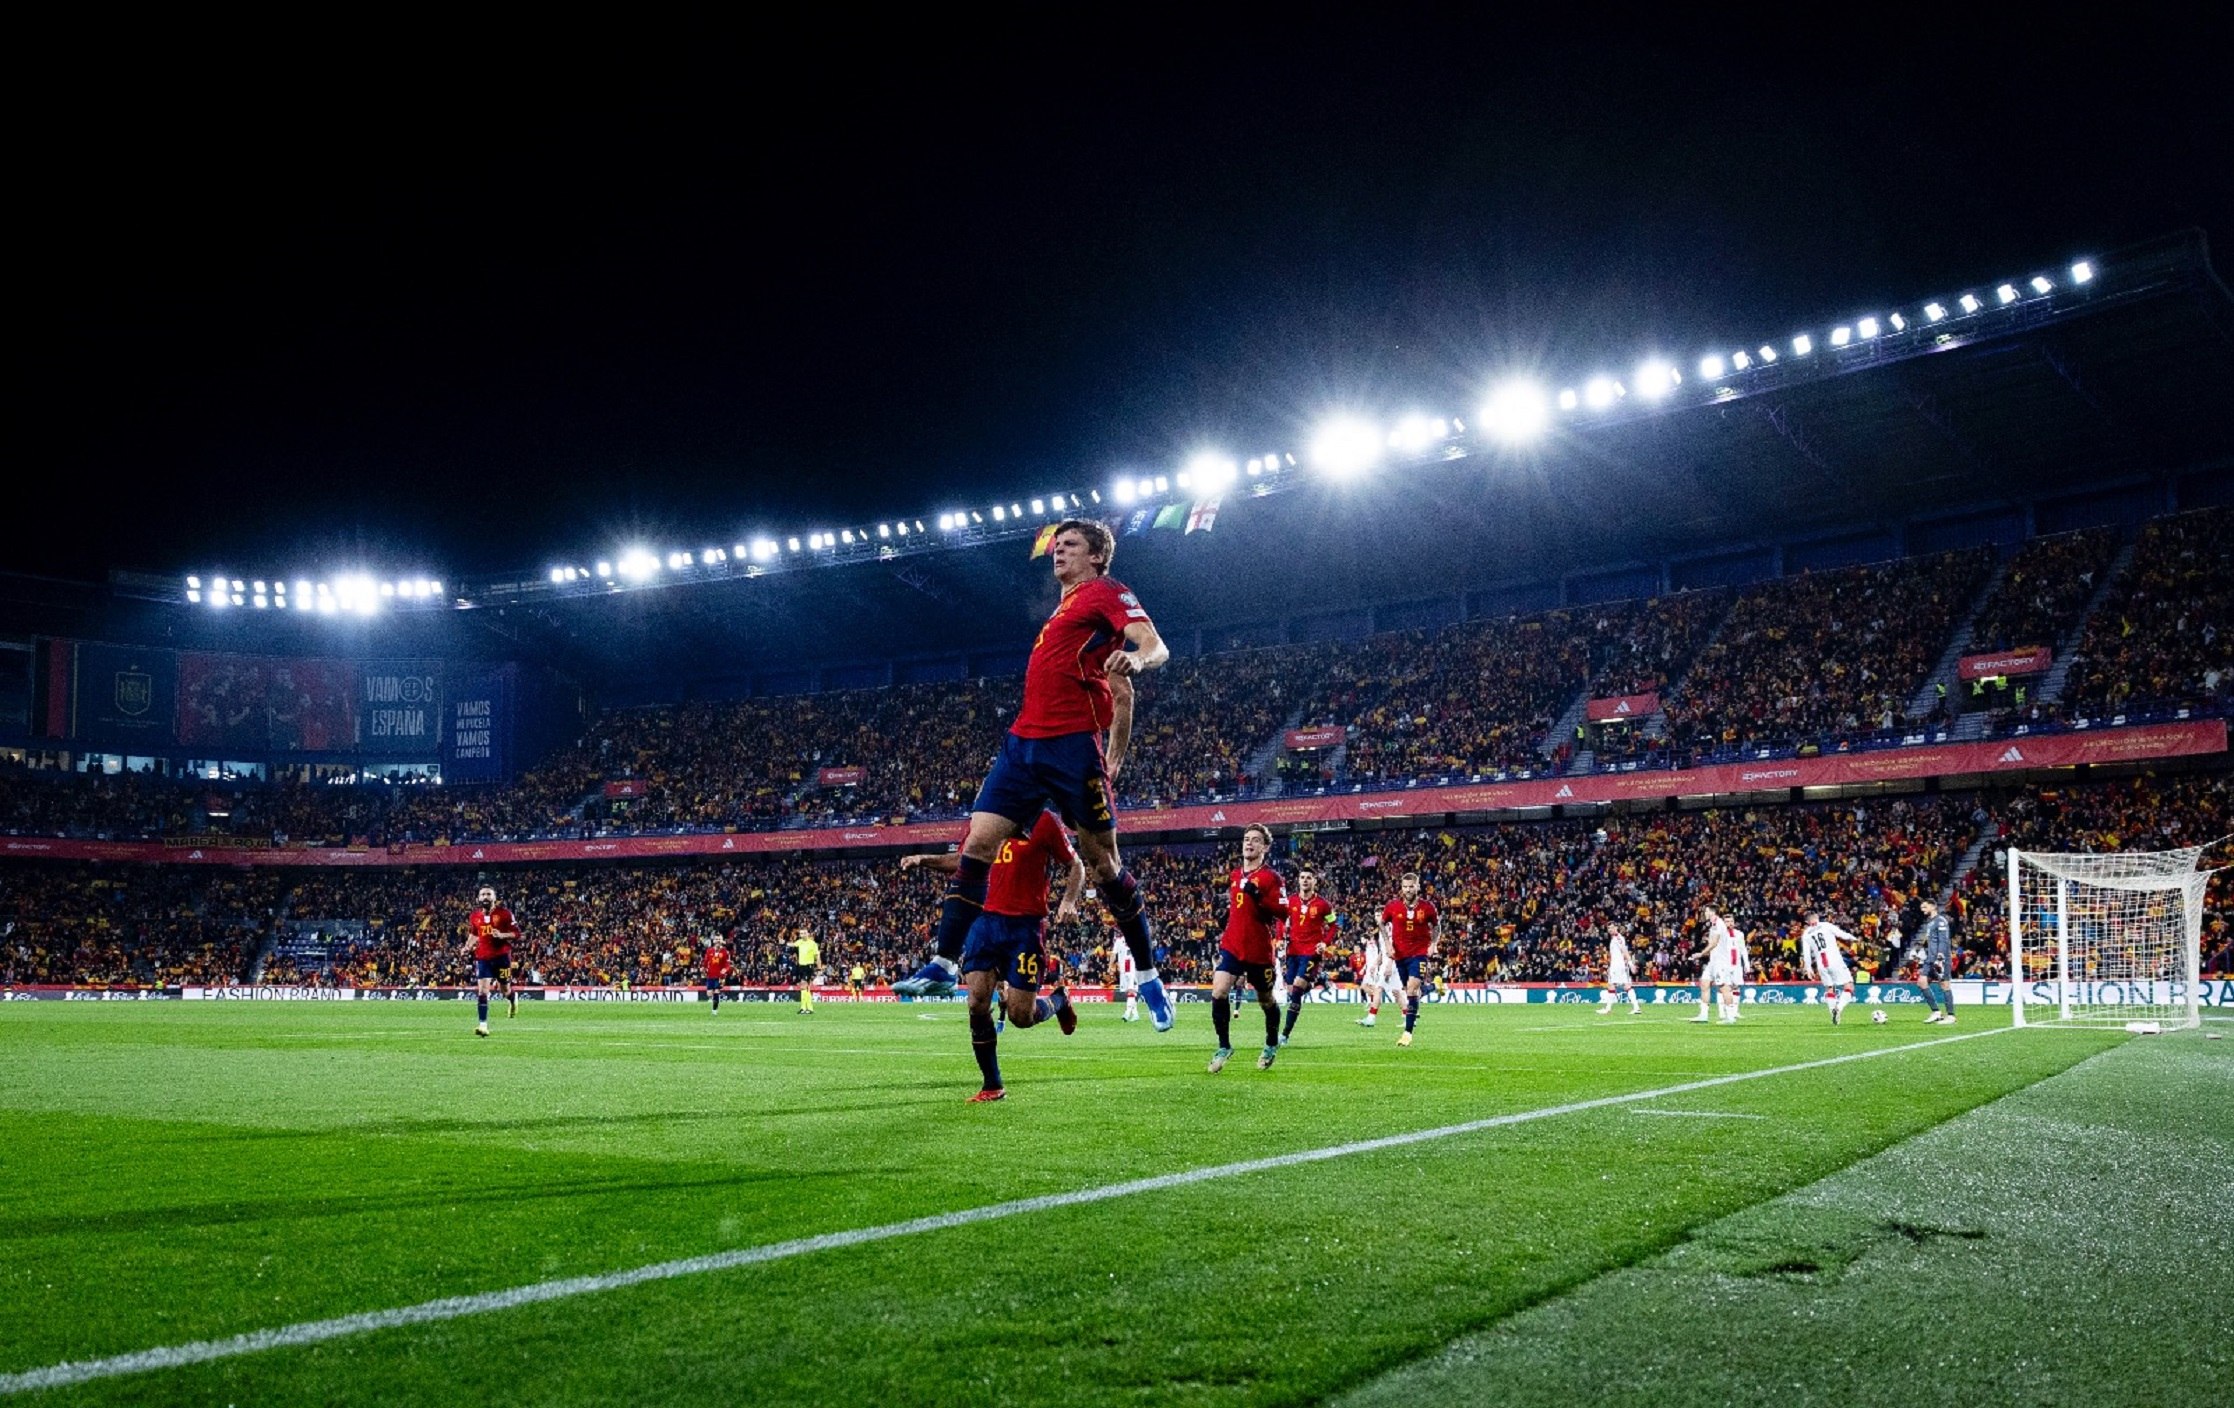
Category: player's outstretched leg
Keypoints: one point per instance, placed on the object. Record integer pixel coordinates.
(965, 900)
(985, 1041)
(1121, 894)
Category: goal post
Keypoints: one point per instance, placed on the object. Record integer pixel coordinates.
(2108, 938)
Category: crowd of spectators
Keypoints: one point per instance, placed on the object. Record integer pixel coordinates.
(2046, 589)
(2160, 640)
(1521, 902)
(1827, 658)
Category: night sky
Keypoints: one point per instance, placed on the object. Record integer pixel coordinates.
(500, 310)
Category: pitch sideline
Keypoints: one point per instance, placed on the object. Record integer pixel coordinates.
(311, 1332)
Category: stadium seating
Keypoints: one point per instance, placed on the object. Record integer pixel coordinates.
(2160, 641)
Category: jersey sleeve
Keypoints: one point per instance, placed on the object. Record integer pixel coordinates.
(1119, 607)
(1272, 899)
(1049, 836)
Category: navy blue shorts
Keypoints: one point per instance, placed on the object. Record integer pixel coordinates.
(1300, 970)
(493, 967)
(1008, 945)
(1030, 775)
(1258, 974)
(1409, 968)
(713, 985)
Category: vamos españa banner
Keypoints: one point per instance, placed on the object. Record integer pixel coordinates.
(1621, 707)
(2030, 660)
(2121, 745)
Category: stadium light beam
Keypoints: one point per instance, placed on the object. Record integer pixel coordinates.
(2082, 272)
(1345, 446)
(1517, 412)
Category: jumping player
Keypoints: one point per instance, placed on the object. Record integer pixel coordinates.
(1007, 942)
(1620, 974)
(1310, 915)
(806, 955)
(1820, 959)
(1254, 908)
(1411, 927)
(492, 929)
(717, 968)
(1098, 636)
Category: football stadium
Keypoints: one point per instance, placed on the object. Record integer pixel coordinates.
(1694, 870)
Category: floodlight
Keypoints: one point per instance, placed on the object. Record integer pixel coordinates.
(977, 518)
(558, 574)
(1210, 470)
(1517, 412)
(219, 597)
(2007, 294)
(1039, 506)
(1186, 479)
(1598, 392)
(2082, 272)
(304, 603)
(1567, 399)
(903, 528)
(1767, 354)
(1163, 485)
(1866, 327)
(2040, 284)
(1936, 312)
(302, 587)
(604, 569)
(326, 606)
(709, 557)
(1802, 345)
(193, 584)
(261, 602)
(193, 595)
(1840, 336)
(1255, 466)
(1345, 446)
(1968, 302)
(1900, 324)
(1016, 510)
(1739, 361)
(1656, 379)
(1710, 368)
(919, 525)
(1122, 490)
(237, 585)
(258, 587)
(884, 530)
(997, 514)
(1417, 433)
(389, 588)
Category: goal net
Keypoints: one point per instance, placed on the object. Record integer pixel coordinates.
(2107, 939)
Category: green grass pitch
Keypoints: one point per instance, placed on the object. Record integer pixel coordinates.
(178, 1173)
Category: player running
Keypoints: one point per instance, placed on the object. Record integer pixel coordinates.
(1007, 941)
(1310, 916)
(1255, 906)
(1723, 963)
(1052, 756)
(1410, 927)
(1376, 978)
(1821, 960)
(806, 956)
(1620, 973)
(717, 968)
(492, 930)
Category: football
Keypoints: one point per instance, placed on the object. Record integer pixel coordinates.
(1878, 1016)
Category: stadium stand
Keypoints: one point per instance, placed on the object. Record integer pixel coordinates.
(2159, 643)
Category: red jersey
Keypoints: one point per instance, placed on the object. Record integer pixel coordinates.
(1411, 926)
(1018, 883)
(1065, 690)
(493, 932)
(1250, 922)
(1307, 925)
(717, 963)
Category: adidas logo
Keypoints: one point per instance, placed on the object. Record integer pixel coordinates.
(477, 854)
(730, 844)
(1622, 707)
(1564, 791)
(2012, 754)
(1218, 815)
(193, 855)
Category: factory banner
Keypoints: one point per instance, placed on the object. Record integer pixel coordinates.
(2031, 660)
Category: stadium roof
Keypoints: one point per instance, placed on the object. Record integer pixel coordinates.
(2127, 381)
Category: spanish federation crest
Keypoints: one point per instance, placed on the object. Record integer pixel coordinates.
(135, 691)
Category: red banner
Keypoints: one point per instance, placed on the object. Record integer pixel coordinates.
(2031, 660)
(841, 777)
(1622, 708)
(1326, 736)
(2055, 750)
(631, 787)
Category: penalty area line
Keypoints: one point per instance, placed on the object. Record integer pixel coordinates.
(310, 1332)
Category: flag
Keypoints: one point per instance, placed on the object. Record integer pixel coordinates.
(1205, 513)
(1141, 519)
(1172, 516)
(1045, 540)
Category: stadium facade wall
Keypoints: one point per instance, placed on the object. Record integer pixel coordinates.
(2061, 750)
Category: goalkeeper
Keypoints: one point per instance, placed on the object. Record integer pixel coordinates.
(1939, 965)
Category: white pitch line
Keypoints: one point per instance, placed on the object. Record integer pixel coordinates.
(457, 1307)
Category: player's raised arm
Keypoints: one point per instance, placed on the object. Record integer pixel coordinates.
(1074, 890)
